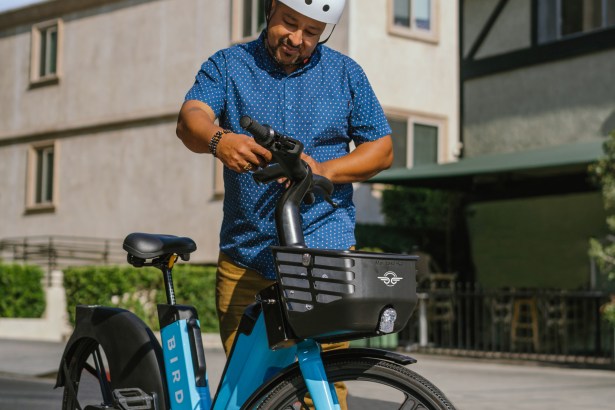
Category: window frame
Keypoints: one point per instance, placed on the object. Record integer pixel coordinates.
(556, 31)
(32, 204)
(35, 52)
(237, 16)
(432, 120)
(430, 36)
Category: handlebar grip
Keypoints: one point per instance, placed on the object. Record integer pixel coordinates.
(262, 134)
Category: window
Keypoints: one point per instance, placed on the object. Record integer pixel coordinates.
(248, 19)
(417, 140)
(46, 52)
(558, 19)
(42, 164)
(414, 19)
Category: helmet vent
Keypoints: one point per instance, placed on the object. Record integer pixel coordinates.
(325, 8)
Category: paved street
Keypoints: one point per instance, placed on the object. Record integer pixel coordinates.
(469, 384)
(480, 385)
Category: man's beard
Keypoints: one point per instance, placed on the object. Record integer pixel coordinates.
(275, 51)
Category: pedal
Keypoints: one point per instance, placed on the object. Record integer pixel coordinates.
(134, 399)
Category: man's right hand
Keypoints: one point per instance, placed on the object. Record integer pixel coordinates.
(196, 126)
(236, 151)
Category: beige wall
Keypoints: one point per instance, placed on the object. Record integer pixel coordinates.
(408, 74)
(126, 68)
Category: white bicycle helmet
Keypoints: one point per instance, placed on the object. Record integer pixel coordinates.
(325, 11)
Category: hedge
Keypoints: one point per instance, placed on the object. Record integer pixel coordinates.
(140, 290)
(21, 291)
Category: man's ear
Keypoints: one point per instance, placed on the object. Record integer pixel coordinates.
(271, 10)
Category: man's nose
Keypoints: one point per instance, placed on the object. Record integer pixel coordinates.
(296, 38)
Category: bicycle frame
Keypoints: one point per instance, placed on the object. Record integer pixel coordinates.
(251, 364)
(262, 350)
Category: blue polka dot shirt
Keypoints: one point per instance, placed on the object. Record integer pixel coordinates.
(325, 104)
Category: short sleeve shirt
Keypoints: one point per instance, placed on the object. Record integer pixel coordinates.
(326, 104)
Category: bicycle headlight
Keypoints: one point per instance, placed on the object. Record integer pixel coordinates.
(387, 320)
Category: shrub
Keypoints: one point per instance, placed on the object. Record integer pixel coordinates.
(22, 291)
(603, 252)
(140, 290)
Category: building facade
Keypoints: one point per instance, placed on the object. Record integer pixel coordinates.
(536, 105)
(92, 88)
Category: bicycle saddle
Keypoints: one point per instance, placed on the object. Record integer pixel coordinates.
(147, 245)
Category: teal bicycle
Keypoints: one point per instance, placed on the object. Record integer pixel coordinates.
(114, 361)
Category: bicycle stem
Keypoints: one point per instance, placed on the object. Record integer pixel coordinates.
(288, 215)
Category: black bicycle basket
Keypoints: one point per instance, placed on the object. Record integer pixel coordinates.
(331, 295)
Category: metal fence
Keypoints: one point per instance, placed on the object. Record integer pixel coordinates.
(549, 325)
(55, 252)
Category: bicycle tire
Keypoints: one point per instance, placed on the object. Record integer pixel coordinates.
(414, 391)
(80, 391)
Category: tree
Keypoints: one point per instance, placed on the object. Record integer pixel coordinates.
(603, 251)
(423, 211)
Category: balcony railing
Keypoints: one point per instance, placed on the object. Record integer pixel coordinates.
(56, 252)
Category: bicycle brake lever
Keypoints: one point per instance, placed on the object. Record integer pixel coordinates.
(268, 174)
(325, 195)
(309, 198)
(324, 187)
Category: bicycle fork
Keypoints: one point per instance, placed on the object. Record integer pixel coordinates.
(322, 392)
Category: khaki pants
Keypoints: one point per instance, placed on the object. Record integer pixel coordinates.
(236, 287)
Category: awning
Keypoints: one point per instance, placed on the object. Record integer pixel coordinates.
(541, 163)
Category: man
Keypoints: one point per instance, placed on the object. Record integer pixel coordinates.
(301, 88)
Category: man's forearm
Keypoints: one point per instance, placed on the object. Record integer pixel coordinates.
(367, 160)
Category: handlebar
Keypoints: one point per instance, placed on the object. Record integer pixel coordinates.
(286, 151)
(287, 163)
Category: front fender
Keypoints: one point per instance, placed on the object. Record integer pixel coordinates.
(352, 353)
(133, 353)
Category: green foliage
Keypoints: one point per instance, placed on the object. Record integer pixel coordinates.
(140, 290)
(419, 208)
(21, 291)
(424, 218)
(603, 173)
(608, 311)
(387, 238)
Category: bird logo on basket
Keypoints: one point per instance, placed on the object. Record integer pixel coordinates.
(390, 278)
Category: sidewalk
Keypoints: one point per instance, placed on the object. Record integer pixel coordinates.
(41, 359)
(469, 384)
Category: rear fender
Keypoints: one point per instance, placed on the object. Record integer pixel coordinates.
(133, 353)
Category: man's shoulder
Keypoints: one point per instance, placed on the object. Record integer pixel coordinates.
(239, 49)
(332, 56)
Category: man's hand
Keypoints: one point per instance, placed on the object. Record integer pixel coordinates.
(318, 168)
(196, 127)
(241, 153)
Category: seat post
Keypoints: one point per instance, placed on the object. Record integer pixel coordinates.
(166, 266)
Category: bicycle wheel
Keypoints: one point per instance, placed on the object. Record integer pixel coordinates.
(372, 384)
(87, 382)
